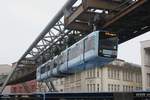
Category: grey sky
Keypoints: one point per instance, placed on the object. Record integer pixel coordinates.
(21, 21)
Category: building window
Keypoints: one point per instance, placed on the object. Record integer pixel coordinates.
(126, 75)
(93, 87)
(112, 73)
(94, 73)
(97, 72)
(123, 75)
(109, 73)
(90, 73)
(88, 87)
(115, 73)
(126, 88)
(109, 88)
(118, 88)
(148, 79)
(98, 88)
(112, 87)
(123, 88)
(118, 74)
(87, 73)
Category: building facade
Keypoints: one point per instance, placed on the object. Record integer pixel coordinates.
(4, 71)
(27, 87)
(118, 76)
(145, 60)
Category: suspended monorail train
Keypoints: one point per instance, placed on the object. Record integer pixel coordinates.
(95, 50)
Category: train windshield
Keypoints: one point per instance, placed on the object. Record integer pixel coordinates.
(108, 44)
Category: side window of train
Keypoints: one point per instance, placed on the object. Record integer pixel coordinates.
(48, 67)
(42, 70)
(68, 54)
(55, 64)
(64, 57)
(51, 65)
(79, 49)
(74, 52)
(89, 43)
(61, 59)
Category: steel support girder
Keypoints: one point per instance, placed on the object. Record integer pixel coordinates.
(56, 18)
(78, 19)
(83, 21)
(133, 23)
(87, 16)
(100, 4)
(48, 39)
(76, 14)
(50, 85)
(83, 27)
(90, 4)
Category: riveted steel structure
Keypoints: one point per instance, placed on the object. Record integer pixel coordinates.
(129, 18)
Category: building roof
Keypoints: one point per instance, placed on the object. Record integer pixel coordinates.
(124, 64)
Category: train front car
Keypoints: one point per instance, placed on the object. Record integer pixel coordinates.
(95, 50)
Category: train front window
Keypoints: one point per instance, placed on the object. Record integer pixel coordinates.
(108, 44)
(43, 70)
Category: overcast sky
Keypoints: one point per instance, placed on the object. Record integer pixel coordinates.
(21, 21)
